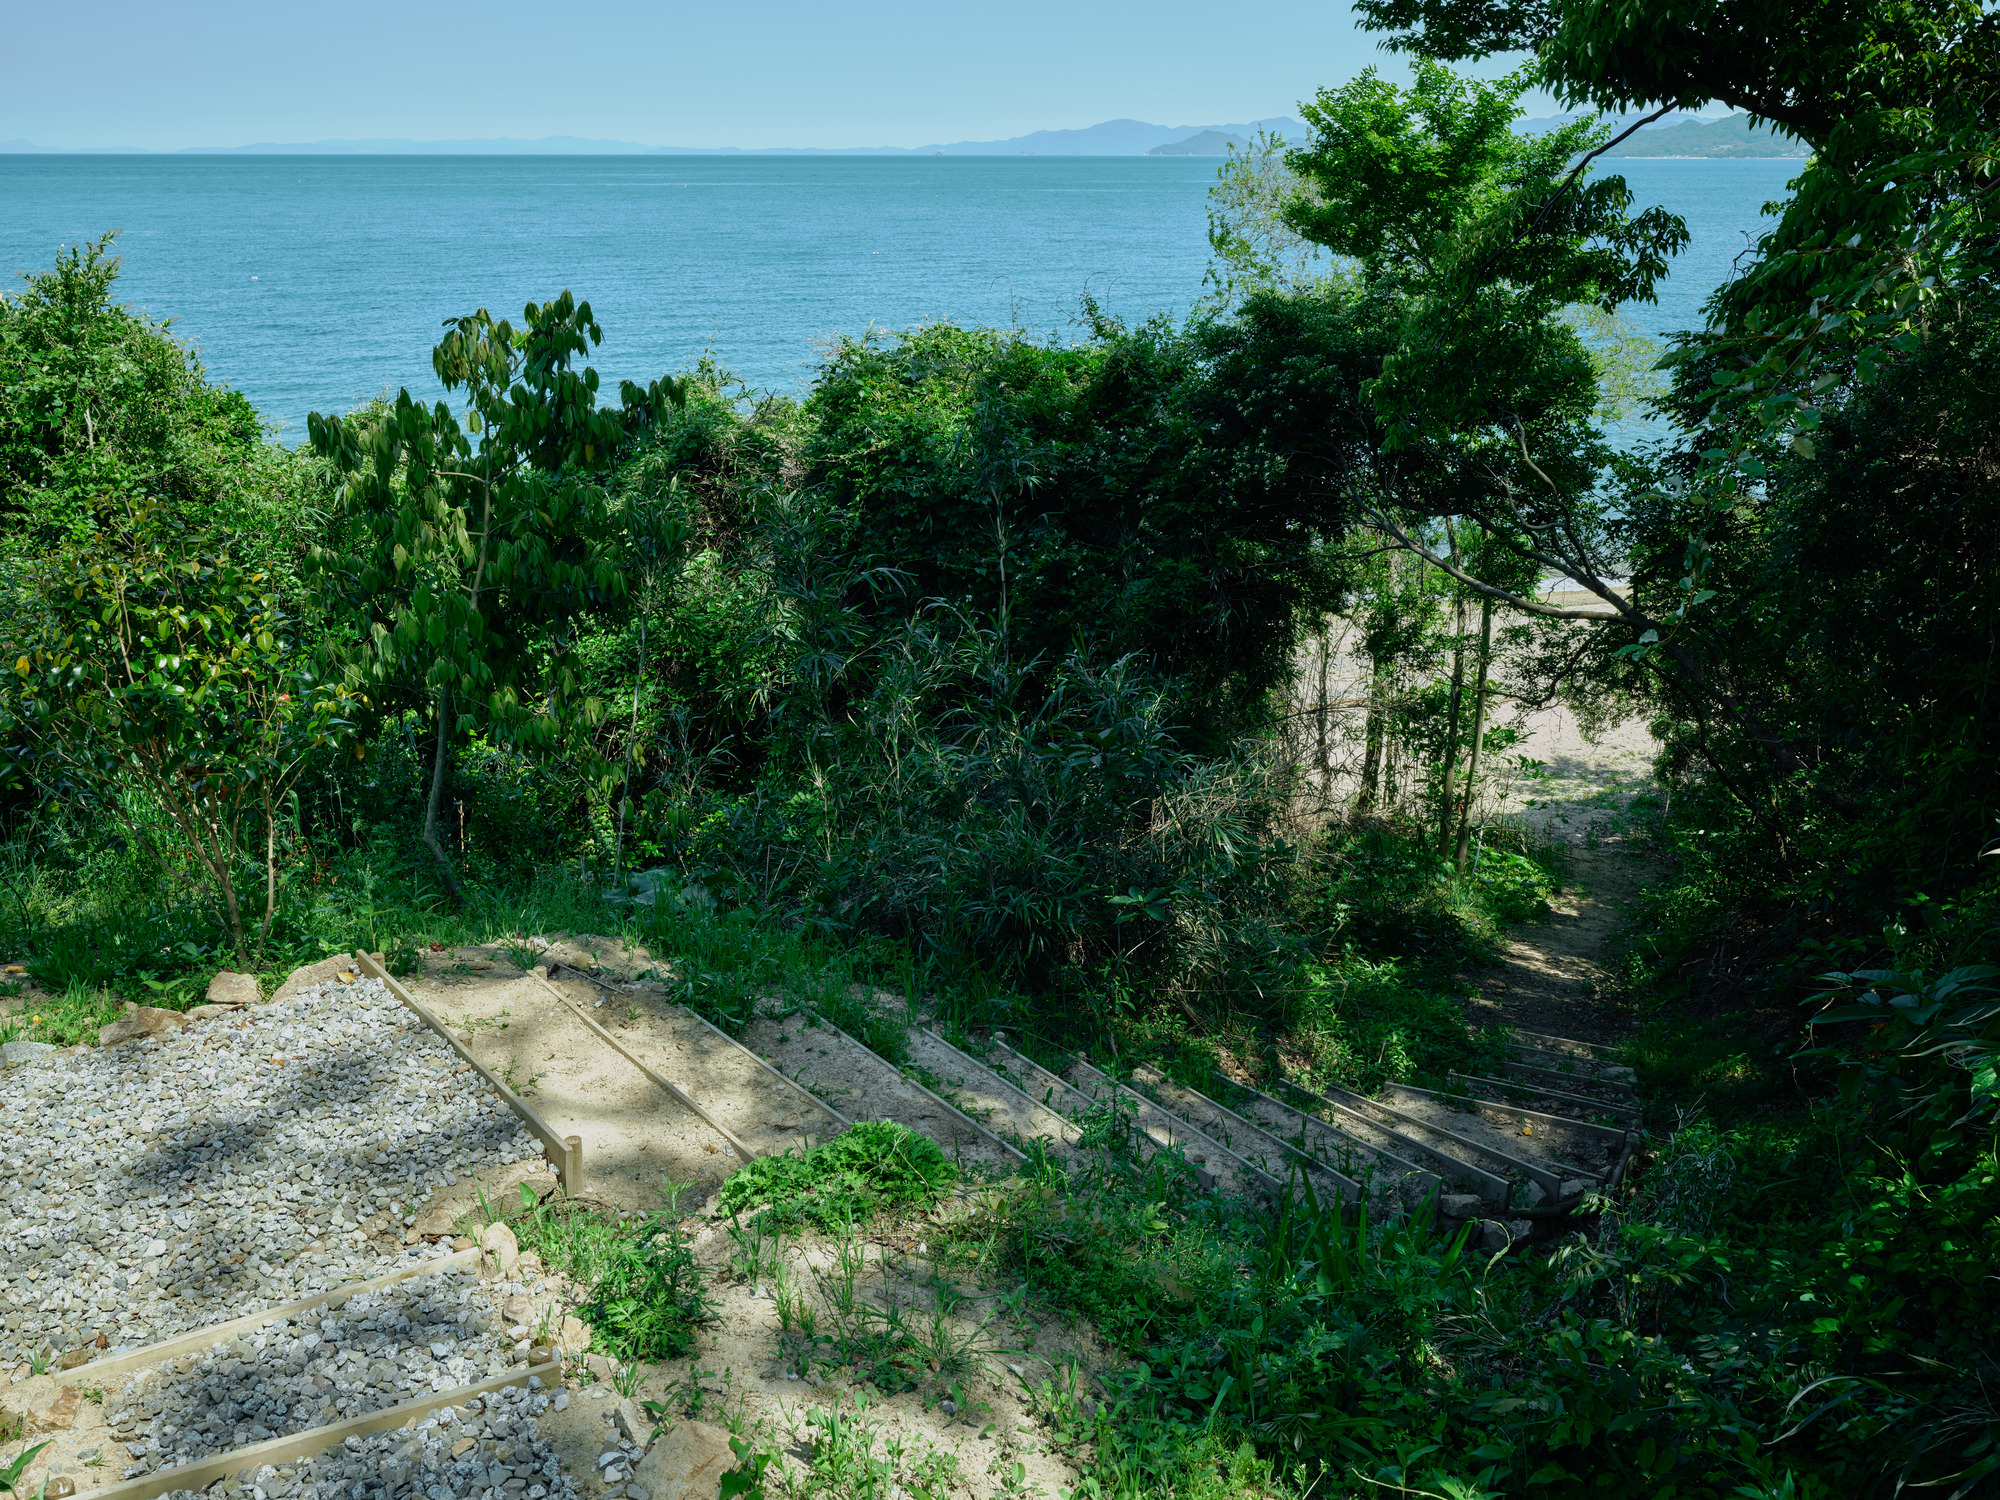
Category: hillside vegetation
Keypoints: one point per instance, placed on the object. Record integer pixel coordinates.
(969, 674)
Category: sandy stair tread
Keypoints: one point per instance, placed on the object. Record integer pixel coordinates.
(1565, 1074)
(1568, 1149)
(1520, 1094)
(1053, 1093)
(1256, 1145)
(633, 1131)
(1474, 1147)
(1571, 1064)
(863, 1086)
(1433, 1141)
(1361, 1155)
(766, 1112)
(1452, 1161)
(1226, 1169)
(1542, 1041)
(987, 1096)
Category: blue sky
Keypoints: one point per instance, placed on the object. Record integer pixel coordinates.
(164, 74)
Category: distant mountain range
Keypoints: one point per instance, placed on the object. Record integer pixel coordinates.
(1111, 138)
(1686, 135)
(1730, 136)
(1208, 143)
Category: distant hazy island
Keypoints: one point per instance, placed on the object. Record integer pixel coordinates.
(1109, 138)
(1208, 143)
(1728, 136)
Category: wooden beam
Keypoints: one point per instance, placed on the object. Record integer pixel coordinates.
(205, 1471)
(1537, 1090)
(743, 1152)
(841, 1122)
(1003, 1146)
(1181, 1135)
(204, 1338)
(1556, 1075)
(1227, 1119)
(564, 1152)
(1549, 1181)
(1541, 1041)
(1612, 1134)
(1056, 1126)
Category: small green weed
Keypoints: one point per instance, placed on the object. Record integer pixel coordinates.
(71, 1016)
(10, 1475)
(854, 1458)
(570, 1239)
(873, 1165)
(649, 1302)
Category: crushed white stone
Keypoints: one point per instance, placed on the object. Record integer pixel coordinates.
(491, 1447)
(431, 1333)
(173, 1183)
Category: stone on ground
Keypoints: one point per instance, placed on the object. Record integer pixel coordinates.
(231, 988)
(144, 1021)
(686, 1464)
(498, 1245)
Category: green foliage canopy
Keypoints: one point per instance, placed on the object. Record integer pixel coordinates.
(474, 541)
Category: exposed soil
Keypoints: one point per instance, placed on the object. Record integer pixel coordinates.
(1554, 976)
(862, 1086)
(635, 1136)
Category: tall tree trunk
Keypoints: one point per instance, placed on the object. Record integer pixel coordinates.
(1322, 743)
(1447, 799)
(1478, 731)
(270, 873)
(631, 748)
(436, 801)
(1371, 754)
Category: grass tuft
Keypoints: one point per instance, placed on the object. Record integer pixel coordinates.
(875, 1165)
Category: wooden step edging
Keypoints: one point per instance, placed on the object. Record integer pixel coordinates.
(1605, 1106)
(1425, 1181)
(1542, 1042)
(1609, 1074)
(1556, 1075)
(1615, 1134)
(206, 1338)
(743, 1152)
(202, 1472)
(565, 1153)
(1060, 1088)
(1490, 1185)
(841, 1122)
(1150, 1117)
(1004, 1147)
(1186, 1098)
(1549, 1182)
(1061, 1126)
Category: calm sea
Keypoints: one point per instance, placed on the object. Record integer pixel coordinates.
(312, 283)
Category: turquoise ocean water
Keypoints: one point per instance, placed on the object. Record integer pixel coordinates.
(311, 283)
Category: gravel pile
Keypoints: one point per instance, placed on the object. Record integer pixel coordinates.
(170, 1184)
(484, 1448)
(430, 1333)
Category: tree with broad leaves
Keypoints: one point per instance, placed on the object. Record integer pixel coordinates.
(1889, 230)
(475, 542)
(178, 677)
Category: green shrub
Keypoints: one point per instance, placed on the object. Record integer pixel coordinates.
(874, 1165)
(1360, 1023)
(650, 1300)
